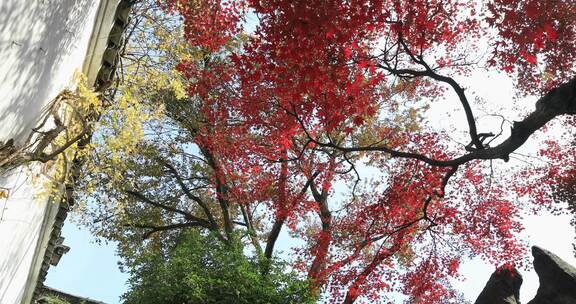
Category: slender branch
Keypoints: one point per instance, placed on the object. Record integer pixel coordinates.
(251, 232)
(189, 193)
(186, 215)
(154, 229)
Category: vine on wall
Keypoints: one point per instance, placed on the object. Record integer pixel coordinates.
(61, 136)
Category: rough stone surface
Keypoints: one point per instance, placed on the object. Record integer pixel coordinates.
(557, 279)
(503, 287)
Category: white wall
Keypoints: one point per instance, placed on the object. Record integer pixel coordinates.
(42, 44)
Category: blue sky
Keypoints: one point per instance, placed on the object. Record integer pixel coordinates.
(88, 269)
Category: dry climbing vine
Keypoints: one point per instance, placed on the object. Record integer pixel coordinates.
(61, 135)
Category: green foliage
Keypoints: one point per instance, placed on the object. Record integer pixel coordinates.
(201, 269)
(51, 299)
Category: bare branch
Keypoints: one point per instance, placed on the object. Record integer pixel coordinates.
(189, 193)
(153, 229)
(186, 215)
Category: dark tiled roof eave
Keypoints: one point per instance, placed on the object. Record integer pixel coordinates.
(45, 291)
(104, 79)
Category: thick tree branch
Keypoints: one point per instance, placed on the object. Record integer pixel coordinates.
(221, 191)
(325, 238)
(279, 222)
(559, 101)
(352, 293)
(282, 208)
(429, 72)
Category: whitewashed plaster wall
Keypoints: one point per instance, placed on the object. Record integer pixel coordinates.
(42, 44)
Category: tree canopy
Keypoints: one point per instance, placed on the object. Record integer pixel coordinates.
(201, 269)
(245, 134)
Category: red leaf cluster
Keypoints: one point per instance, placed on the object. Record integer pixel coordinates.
(535, 39)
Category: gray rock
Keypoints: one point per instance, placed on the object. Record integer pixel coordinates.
(557, 279)
(503, 287)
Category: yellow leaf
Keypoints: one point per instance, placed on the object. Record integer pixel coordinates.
(4, 193)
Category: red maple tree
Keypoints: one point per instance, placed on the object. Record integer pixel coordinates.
(319, 89)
